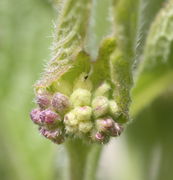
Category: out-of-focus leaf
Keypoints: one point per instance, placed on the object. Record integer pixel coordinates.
(147, 12)
(149, 139)
(24, 44)
(156, 71)
(126, 13)
(100, 25)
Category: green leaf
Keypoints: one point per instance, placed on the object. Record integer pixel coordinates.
(101, 67)
(147, 12)
(156, 71)
(69, 40)
(125, 17)
(122, 79)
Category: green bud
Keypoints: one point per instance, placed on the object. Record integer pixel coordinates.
(80, 97)
(113, 107)
(70, 119)
(83, 113)
(71, 129)
(100, 106)
(85, 127)
(83, 82)
(103, 90)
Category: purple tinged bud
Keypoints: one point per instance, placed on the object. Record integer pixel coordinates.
(99, 137)
(104, 125)
(35, 116)
(108, 123)
(119, 128)
(43, 100)
(53, 135)
(48, 116)
(60, 102)
(116, 130)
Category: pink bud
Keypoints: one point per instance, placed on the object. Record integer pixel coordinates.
(104, 125)
(99, 136)
(35, 116)
(53, 135)
(49, 117)
(43, 100)
(60, 102)
(116, 130)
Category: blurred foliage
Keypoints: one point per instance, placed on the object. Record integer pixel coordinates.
(25, 27)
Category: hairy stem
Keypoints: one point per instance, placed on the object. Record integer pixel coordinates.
(83, 159)
(93, 162)
(77, 152)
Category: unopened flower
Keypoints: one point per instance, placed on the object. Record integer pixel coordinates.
(53, 135)
(71, 129)
(85, 127)
(116, 130)
(35, 116)
(100, 106)
(49, 117)
(70, 119)
(103, 90)
(80, 97)
(100, 137)
(60, 102)
(83, 113)
(104, 125)
(43, 100)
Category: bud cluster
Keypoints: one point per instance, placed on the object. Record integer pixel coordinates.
(86, 113)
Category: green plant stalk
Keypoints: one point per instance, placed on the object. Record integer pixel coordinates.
(83, 159)
(77, 152)
(93, 162)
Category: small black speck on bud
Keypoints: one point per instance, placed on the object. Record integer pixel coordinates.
(60, 102)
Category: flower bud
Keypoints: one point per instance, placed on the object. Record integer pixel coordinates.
(43, 100)
(53, 135)
(100, 106)
(103, 90)
(49, 117)
(70, 119)
(103, 125)
(83, 113)
(113, 108)
(100, 137)
(60, 102)
(116, 130)
(80, 97)
(85, 127)
(71, 129)
(35, 116)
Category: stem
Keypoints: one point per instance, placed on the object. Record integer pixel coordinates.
(93, 161)
(83, 159)
(77, 152)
